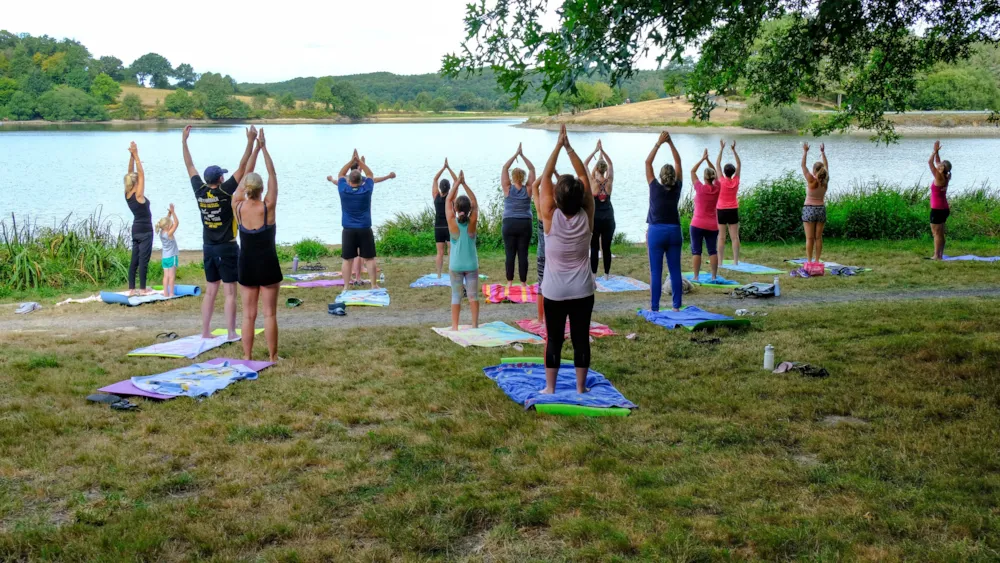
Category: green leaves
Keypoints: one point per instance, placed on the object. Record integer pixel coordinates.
(869, 51)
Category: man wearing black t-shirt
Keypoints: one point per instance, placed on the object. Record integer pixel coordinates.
(221, 253)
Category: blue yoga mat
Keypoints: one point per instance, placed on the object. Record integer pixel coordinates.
(690, 317)
(111, 297)
(522, 383)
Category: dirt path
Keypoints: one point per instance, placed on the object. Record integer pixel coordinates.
(122, 318)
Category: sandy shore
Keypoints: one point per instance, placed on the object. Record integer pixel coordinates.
(988, 131)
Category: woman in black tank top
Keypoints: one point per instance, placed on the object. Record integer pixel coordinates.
(601, 182)
(142, 222)
(259, 270)
(439, 191)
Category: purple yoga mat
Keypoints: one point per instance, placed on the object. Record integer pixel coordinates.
(127, 389)
(319, 283)
(973, 257)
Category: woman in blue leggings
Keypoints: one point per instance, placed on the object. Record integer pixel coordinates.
(664, 234)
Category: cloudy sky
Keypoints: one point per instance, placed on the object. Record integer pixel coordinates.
(304, 38)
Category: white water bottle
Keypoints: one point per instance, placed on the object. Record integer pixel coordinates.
(769, 357)
(777, 287)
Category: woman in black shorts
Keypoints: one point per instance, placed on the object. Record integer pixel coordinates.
(940, 210)
(439, 191)
(602, 179)
(259, 270)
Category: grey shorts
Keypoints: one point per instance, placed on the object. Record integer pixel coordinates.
(814, 214)
(470, 280)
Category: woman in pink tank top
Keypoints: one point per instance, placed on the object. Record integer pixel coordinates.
(728, 209)
(814, 210)
(703, 224)
(941, 172)
(566, 211)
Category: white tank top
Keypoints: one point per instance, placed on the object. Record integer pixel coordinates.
(567, 258)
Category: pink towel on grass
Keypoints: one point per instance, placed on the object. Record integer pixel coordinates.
(597, 330)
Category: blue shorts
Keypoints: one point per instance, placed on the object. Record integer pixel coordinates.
(711, 239)
(168, 263)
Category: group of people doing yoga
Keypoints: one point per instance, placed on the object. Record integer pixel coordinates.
(576, 225)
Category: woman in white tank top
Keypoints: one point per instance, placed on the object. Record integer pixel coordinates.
(567, 214)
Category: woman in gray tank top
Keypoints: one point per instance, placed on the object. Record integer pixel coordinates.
(516, 228)
(567, 214)
(166, 228)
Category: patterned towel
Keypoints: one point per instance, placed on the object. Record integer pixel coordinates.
(705, 278)
(364, 297)
(832, 267)
(614, 284)
(432, 280)
(497, 293)
(488, 335)
(127, 388)
(316, 283)
(312, 276)
(748, 268)
(597, 330)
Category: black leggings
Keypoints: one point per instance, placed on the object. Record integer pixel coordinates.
(579, 312)
(516, 238)
(604, 232)
(142, 249)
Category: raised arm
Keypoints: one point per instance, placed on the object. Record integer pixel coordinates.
(611, 169)
(140, 185)
(131, 160)
(736, 155)
(505, 173)
(694, 171)
(251, 137)
(474, 214)
(545, 195)
(192, 171)
(650, 175)
(449, 205)
(241, 193)
(822, 153)
(380, 179)
(437, 178)
(531, 168)
(677, 156)
(364, 168)
(271, 197)
(586, 162)
(454, 177)
(174, 221)
(805, 164)
(722, 149)
(583, 176)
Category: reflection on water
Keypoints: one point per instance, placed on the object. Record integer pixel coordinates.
(51, 172)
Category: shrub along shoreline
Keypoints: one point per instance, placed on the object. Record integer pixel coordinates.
(95, 252)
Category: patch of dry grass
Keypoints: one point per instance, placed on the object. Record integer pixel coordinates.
(663, 111)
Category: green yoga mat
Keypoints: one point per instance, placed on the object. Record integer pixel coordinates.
(530, 360)
(577, 410)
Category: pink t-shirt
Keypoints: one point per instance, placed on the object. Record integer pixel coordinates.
(939, 197)
(705, 198)
(727, 196)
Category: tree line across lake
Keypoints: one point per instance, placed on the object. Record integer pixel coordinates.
(59, 80)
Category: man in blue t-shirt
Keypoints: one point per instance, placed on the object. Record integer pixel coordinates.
(357, 239)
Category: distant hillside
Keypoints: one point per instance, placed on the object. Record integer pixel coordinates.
(472, 93)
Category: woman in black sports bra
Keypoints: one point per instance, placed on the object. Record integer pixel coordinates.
(259, 269)
(602, 181)
(439, 191)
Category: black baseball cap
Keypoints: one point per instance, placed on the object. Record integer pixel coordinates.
(213, 174)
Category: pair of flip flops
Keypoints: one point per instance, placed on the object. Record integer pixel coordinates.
(167, 336)
(338, 309)
(293, 302)
(117, 403)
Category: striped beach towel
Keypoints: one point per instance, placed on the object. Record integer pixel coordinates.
(498, 293)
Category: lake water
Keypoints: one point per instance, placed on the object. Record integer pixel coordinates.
(52, 172)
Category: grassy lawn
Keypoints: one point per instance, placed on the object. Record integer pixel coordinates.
(392, 444)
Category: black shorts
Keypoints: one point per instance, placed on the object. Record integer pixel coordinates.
(939, 216)
(222, 262)
(442, 234)
(728, 216)
(354, 239)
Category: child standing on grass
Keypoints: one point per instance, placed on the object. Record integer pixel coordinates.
(166, 228)
(462, 214)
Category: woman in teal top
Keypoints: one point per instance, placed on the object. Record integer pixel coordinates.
(463, 215)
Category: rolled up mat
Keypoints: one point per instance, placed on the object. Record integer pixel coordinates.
(563, 409)
(185, 290)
